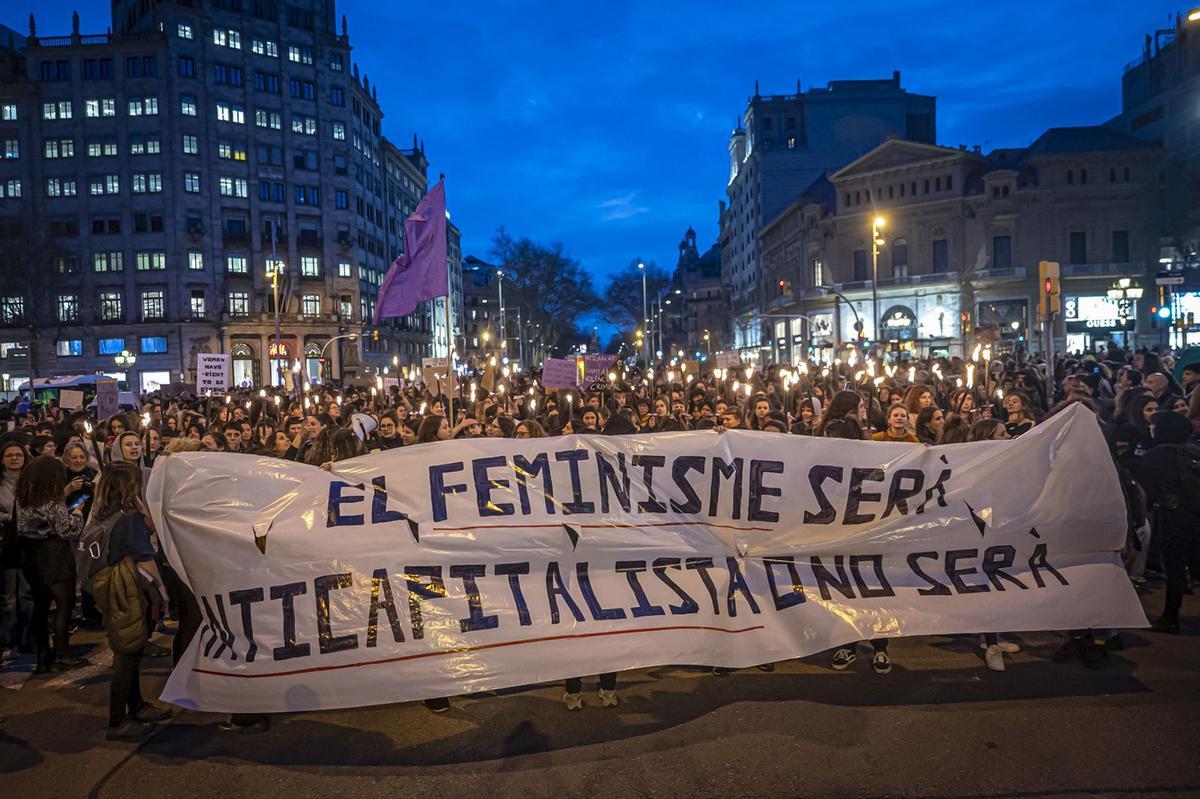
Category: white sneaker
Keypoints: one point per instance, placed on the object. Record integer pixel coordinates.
(1007, 647)
(573, 701)
(609, 698)
(994, 657)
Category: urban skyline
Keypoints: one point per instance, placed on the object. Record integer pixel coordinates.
(599, 182)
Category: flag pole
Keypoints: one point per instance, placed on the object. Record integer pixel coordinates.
(451, 378)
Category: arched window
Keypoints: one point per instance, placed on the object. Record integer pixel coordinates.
(312, 361)
(245, 365)
(900, 258)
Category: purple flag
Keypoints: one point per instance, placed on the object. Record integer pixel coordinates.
(421, 272)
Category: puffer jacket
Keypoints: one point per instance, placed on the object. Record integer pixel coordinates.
(118, 593)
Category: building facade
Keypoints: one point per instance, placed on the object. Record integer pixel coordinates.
(698, 322)
(201, 176)
(961, 236)
(782, 144)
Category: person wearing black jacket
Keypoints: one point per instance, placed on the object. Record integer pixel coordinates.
(1168, 473)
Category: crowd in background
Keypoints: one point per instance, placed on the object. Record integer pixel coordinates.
(67, 477)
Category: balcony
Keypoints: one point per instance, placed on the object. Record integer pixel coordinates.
(1007, 273)
(1098, 270)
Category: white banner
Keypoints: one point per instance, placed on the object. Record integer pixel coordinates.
(212, 372)
(463, 566)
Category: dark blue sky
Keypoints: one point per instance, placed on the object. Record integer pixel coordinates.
(604, 125)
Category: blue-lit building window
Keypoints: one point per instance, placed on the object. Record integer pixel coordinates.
(152, 345)
(111, 346)
(69, 348)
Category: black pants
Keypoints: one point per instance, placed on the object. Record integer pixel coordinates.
(125, 694)
(62, 595)
(1176, 541)
(608, 682)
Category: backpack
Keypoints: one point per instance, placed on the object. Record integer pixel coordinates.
(92, 555)
(1188, 456)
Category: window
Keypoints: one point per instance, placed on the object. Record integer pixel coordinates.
(61, 187)
(310, 266)
(269, 155)
(236, 264)
(97, 69)
(12, 148)
(300, 55)
(183, 31)
(225, 73)
(141, 66)
(197, 303)
(191, 146)
(941, 256)
(1078, 248)
(147, 223)
(146, 182)
(58, 148)
(151, 261)
(861, 270)
(305, 159)
(233, 187)
(143, 107)
(344, 269)
(191, 182)
(60, 109)
(342, 198)
(239, 303)
(12, 309)
(153, 345)
(307, 195)
(310, 304)
(68, 307)
(187, 106)
(1001, 252)
(102, 148)
(152, 304)
(104, 184)
(8, 112)
(113, 261)
(106, 225)
(270, 192)
(1120, 246)
(111, 310)
(110, 346)
(144, 145)
(339, 131)
(231, 151)
(265, 47)
(195, 261)
(55, 70)
(268, 119)
(900, 258)
(187, 67)
(231, 113)
(337, 62)
(69, 348)
(227, 37)
(305, 125)
(266, 82)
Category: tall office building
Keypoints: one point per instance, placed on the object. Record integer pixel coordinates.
(782, 144)
(163, 183)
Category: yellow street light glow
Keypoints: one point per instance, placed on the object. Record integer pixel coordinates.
(880, 221)
(1194, 15)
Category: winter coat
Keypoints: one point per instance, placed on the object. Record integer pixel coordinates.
(118, 593)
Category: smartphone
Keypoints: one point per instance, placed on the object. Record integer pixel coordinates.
(79, 501)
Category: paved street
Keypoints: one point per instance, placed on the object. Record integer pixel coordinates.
(940, 725)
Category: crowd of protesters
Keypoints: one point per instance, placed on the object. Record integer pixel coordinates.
(79, 545)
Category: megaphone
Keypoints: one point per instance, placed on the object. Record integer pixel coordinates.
(363, 424)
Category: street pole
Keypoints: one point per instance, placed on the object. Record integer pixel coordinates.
(275, 291)
(876, 226)
(520, 338)
(645, 316)
(503, 324)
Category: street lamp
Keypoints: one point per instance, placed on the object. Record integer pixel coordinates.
(1124, 293)
(708, 343)
(273, 267)
(503, 324)
(876, 225)
(124, 359)
(347, 336)
(645, 311)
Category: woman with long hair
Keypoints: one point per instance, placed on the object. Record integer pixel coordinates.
(845, 404)
(930, 422)
(45, 526)
(122, 515)
(14, 592)
(433, 428)
(1018, 413)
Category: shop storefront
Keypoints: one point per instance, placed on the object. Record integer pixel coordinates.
(1092, 321)
(1008, 317)
(918, 326)
(1185, 305)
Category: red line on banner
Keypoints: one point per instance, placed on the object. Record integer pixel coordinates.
(478, 648)
(608, 526)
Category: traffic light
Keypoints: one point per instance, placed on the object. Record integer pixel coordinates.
(1048, 273)
(785, 287)
(858, 326)
(374, 335)
(1154, 317)
(965, 320)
